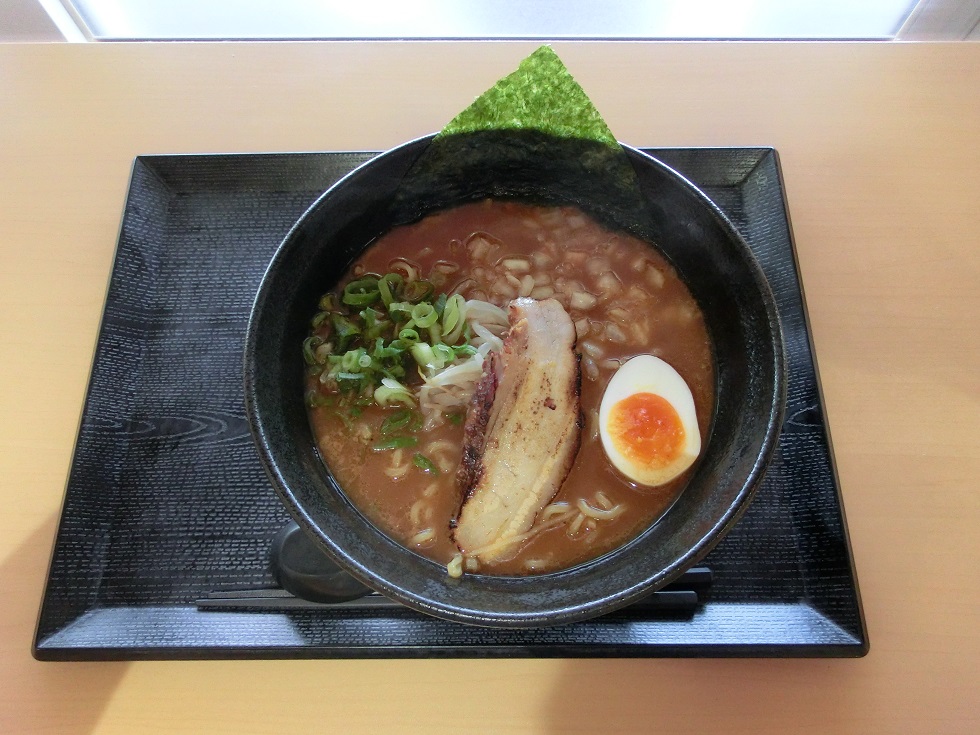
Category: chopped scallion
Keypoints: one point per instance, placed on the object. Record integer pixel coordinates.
(388, 286)
(396, 442)
(397, 421)
(411, 336)
(315, 399)
(417, 291)
(424, 356)
(425, 464)
(370, 337)
(424, 315)
(361, 292)
(310, 344)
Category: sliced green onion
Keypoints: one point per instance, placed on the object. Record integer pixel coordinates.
(424, 315)
(397, 421)
(395, 308)
(425, 464)
(440, 304)
(361, 292)
(351, 361)
(391, 391)
(394, 349)
(350, 376)
(454, 319)
(315, 399)
(374, 324)
(454, 418)
(435, 333)
(345, 330)
(444, 354)
(388, 286)
(410, 336)
(310, 344)
(417, 291)
(394, 372)
(424, 356)
(345, 419)
(379, 328)
(323, 352)
(396, 442)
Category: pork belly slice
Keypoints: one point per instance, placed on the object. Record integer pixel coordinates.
(522, 431)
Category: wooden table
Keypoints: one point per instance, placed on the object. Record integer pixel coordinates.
(880, 148)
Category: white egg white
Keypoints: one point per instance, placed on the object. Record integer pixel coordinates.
(649, 374)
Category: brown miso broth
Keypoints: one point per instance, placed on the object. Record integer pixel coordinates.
(624, 298)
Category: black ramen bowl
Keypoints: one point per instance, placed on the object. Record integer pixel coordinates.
(627, 190)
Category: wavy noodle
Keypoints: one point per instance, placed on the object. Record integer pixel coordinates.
(501, 544)
(455, 566)
(397, 469)
(598, 513)
(423, 537)
(444, 453)
(416, 512)
(581, 518)
(554, 509)
(406, 267)
(462, 287)
(447, 267)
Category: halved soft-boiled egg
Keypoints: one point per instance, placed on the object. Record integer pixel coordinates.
(647, 422)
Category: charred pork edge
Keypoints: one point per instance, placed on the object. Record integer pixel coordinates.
(471, 468)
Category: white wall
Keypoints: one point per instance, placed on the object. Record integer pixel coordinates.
(32, 20)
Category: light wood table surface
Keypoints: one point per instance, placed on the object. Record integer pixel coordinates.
(880, 149)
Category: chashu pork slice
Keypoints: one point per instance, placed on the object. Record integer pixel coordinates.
(522, 431)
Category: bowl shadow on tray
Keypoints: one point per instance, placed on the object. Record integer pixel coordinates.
(57, 696)
(410, 181)
(315, 583)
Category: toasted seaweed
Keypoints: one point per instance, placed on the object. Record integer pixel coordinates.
(535, 137)
(540, 95)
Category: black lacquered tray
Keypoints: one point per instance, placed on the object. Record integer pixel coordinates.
(167, 504)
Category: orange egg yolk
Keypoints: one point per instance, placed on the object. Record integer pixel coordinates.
(646, 428)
